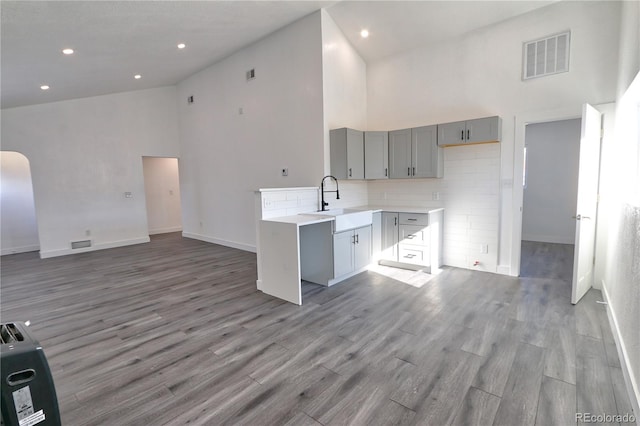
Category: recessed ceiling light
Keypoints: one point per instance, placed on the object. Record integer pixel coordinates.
(44, 87)
(364, 33)
(137, 76)
(67, 51)
(182, 46)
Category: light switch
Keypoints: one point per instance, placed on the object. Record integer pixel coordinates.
(128, 195)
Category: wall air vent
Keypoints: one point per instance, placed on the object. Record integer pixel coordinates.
(251, 74)
(546, 56)
(80, 244)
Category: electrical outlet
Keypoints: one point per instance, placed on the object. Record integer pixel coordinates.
(484, 248)
(435, 196)
(87, 232)
(285, 172)
(128, 195)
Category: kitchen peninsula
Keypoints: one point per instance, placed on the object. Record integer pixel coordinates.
(295, 242)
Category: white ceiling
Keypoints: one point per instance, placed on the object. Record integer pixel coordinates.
(114, 40)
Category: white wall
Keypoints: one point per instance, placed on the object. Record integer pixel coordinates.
(550, 197)
(162, 194)
(480, 75)
(18, 226)
(620, 196)
(344, 86)
(618, 248)
(84, 155)
(228, 155)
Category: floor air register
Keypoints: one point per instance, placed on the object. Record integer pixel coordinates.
(28, 393)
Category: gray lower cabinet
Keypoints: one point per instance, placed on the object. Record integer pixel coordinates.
(376, 155)
(389, 236)
(347, 153)
(480, 130)
(414, 153)
(413, 246)
(412, 240)
(351, 250)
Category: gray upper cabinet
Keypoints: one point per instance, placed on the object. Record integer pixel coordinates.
(376, 155)
(414, 153)
(347, 153)
(427, 158)
(481, 130)
(400, 154)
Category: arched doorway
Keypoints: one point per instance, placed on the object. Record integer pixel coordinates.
(18, 223)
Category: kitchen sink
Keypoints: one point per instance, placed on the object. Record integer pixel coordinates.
(346, 219)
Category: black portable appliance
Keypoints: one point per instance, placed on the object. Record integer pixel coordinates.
(28, 395)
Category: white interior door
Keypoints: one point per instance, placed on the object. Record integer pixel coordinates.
(588, 175)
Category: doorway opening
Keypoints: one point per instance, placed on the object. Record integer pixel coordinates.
(18, 223)
(550, 182)
(162, 194)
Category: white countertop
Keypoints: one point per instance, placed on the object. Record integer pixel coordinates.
(301, 219)
(398, 209)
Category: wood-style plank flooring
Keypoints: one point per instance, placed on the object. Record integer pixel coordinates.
(174, 332)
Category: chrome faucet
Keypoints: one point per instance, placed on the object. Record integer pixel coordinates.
(323, 203)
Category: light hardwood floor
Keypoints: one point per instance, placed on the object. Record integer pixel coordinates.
(174, 332)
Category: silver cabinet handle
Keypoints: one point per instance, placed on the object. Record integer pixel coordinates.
(414, 171)
(412, 219)
(408, 171)
(409, 256)
(357, 238)
(385, 172)
(349, 171)
(468, 134)
(411, 236)
(579, 217)
(462, 135)
(395, 221)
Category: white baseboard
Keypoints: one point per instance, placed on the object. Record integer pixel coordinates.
(232, 244)
(632, 386)
(100, 246)
(16, 250)
(548, 239)
(165, 230)
(503, 270)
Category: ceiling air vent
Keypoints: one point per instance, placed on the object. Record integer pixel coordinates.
(549, 55)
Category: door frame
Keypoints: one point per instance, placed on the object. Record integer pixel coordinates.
(521, 122)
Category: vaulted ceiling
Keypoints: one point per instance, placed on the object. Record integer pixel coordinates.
(115, 40)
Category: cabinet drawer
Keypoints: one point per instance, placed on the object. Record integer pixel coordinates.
(413, 234)
(414, 219)
(414, 254)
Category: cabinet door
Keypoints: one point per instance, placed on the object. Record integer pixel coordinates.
(427, 158)
(343, 253)
(483, 130)
(362, 248)
(389, 236)
(400, 154)
(452, 133)
(376, 235)
(347, 153)
(376, 155)
(355, 154)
